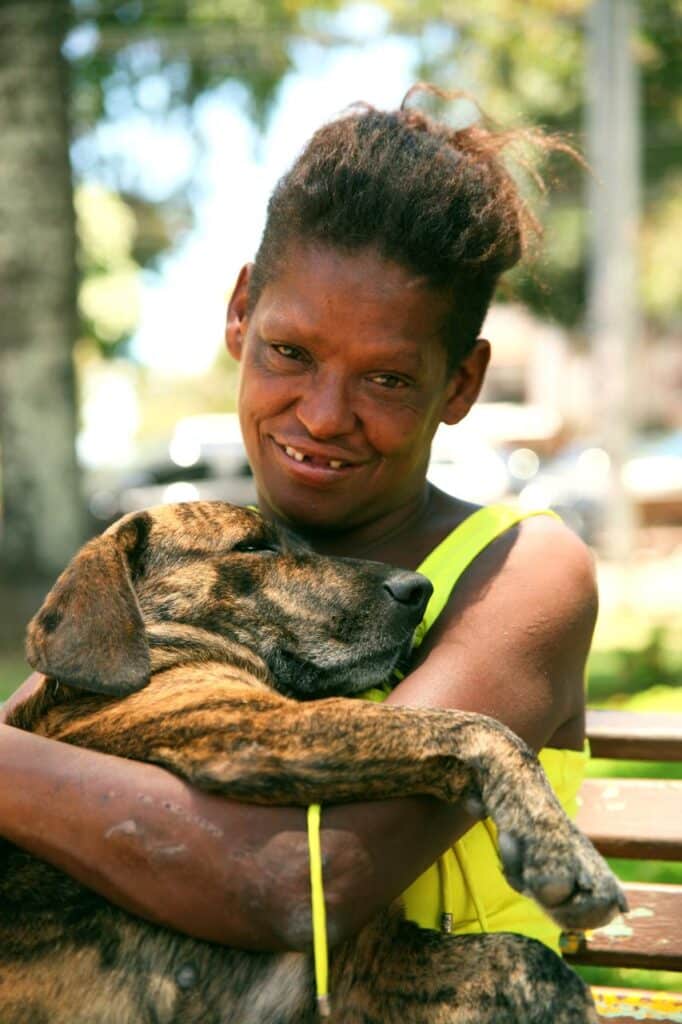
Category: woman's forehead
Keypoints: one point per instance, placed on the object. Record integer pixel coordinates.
(320, 290)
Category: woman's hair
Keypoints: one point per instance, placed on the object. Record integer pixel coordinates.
(434, 199)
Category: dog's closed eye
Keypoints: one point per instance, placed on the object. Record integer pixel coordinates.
(255, 546)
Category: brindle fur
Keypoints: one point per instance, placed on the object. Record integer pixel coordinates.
(180, 637)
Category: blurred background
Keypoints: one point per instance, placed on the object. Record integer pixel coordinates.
(140, 141)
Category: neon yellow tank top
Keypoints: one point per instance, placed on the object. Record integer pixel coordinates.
(467, 882)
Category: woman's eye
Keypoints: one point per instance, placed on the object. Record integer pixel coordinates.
(287, 351)
(388, 380)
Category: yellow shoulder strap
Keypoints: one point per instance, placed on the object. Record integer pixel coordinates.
(446, 563)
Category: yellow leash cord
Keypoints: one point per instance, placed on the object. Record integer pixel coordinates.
(445, 875)
(320, 952)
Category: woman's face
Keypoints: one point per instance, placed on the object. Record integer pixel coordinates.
(343, 382)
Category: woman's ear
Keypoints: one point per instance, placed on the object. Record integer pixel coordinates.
(235, 325)
(466, 383)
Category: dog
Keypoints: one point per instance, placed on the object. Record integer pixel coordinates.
(251, 644)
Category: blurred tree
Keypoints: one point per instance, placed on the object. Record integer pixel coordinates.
(42, 519)
(115, 48)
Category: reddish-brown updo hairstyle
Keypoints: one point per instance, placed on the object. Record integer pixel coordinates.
(438, 201)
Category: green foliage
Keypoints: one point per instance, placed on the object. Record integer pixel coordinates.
(639, 668)
(195, 45)
(664, 871)
(13, 671)
(607, 769)
(526, 64)
(108, 299)
(661, 248)
(641, 678)
(158, 60)
(630, 977)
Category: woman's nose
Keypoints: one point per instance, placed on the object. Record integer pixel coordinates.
(325, 408)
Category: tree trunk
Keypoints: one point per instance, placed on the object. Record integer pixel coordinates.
(42, 514)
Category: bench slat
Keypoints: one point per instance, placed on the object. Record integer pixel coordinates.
(639, 818)
(641, 736)
(637, 1006)
(649, 935)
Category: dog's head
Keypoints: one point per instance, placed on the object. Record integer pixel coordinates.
(208, 580)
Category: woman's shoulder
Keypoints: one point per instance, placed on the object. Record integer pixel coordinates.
(513, 636)
(519, 542)
(528, 569)
(543, 544)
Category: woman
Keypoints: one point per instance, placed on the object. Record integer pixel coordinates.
(357, 333)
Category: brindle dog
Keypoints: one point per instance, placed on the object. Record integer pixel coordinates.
(187, 636)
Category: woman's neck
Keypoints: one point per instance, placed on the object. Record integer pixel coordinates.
(402, 537)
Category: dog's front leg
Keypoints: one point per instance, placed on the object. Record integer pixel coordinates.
(339, 750)
(251, 744)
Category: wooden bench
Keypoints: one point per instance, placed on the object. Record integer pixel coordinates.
(641, 819)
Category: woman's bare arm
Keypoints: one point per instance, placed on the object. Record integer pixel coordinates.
(238, 874)
(218, 870)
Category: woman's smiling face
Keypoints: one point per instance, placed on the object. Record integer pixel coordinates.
(344, 380)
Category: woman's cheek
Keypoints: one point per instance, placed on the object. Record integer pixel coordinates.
(391, 427)
(264, 394)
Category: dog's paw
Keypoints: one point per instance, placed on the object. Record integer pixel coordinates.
(564, 874)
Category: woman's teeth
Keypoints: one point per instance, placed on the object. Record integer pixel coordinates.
(300, 457)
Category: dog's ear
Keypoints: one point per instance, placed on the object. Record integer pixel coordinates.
(89, 631)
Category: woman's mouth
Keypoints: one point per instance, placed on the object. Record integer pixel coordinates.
(311, 466)
(313, 460)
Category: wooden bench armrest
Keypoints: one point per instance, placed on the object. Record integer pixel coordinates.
(639, 818)
(649, 935)
(642, 819)
(638, 736)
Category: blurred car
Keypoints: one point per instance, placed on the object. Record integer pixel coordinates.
(467, 466)
(575, 483)
(494, 452)
(205, 460)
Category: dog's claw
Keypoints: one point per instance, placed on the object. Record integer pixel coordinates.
(567, 876)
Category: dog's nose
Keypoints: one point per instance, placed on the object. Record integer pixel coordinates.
(410, 589)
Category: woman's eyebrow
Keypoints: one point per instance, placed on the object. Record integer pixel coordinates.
(402, 355)
(281, 326)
